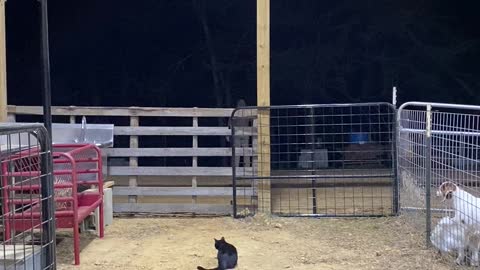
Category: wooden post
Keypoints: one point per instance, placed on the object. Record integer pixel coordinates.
(3, 65)
(263, 99)
(133, 179)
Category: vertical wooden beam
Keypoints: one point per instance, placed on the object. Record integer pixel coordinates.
(263, 99)
(263, 52)
(3, 65)
(133, 179)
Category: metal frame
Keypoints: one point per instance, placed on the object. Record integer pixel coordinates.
(22, 138)
(439, 142)
(296, 126)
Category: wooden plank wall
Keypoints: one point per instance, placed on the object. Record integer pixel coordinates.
(161, 189)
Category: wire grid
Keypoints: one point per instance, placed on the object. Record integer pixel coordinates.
(315, 160)
(454, 151)
(412, 155)
(28, 226)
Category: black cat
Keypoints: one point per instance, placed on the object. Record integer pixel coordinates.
(227, 256)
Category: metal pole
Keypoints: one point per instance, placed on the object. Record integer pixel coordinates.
(394, 96)
(3, 65)
(47, 163)
(312, 148)
(234, 169)
(428, 173)
(395, 163)
(45, 67)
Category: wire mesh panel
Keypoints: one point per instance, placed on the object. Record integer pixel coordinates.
(26, 147)
(315, 160)
(438, 164)
(412, 155)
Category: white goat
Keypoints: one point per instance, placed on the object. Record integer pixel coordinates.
(449, 236)
(465, 225)
(466, 206)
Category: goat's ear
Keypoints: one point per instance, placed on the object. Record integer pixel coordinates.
(442, 187)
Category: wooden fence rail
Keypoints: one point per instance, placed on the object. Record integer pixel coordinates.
(162, 189)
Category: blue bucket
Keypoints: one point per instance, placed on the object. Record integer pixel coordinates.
(359, 138)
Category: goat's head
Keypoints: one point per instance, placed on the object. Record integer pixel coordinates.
(446, 190)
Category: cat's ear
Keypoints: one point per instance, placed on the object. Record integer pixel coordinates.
(216, 240)
(223, 238)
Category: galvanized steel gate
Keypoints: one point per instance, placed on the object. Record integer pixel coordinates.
(315, 160)
(439, 143)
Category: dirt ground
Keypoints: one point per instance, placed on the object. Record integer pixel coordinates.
(262, 242)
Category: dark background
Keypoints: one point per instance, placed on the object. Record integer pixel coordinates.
(203, 52)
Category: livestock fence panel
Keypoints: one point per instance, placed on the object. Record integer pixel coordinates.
(315, 160)
(27, 219)
(438, 150)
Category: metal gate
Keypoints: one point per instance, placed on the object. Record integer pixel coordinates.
(315, 160)
(27, 219)
(440, 144)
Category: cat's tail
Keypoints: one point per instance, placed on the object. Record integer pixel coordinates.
(201, 268)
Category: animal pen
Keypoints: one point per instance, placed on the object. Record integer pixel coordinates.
(439, 143)
(28, 224)
(332, 160)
